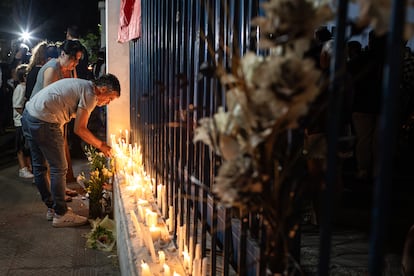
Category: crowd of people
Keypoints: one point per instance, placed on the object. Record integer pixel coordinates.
(49, 93)
(361, 104)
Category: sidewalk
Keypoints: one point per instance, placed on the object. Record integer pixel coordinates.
(29, 245)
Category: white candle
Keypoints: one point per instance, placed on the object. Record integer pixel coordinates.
(170, 218)
(151, 218)
(204, 267)
(150, 245)
(155, 233)
(180, 241)
(198, 251)
(164, 201)
(161, 257)
(167, 271)
(191, 248)
(159, 196)
(137, 227)
(186, 258)
(167, 222)
(196, 267)
(145, 270)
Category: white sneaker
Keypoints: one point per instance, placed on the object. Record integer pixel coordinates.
(25, 173)
(50, 214)
(69, 219)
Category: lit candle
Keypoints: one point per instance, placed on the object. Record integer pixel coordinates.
(167, 271)
(151, 218)
(155, 233)
(186, 258)
(145, 270)
(161, 257)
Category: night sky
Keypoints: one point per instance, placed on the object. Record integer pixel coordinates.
(48, 19)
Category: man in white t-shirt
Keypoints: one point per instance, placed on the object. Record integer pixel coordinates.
(43, 120)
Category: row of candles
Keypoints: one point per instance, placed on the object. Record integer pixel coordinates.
(149, 215)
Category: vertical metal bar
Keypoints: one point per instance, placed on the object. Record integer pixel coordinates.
(229, 27)
(386, 136)
(156, 137)
(196, 114)
(181, 55)
(241, 261)
(186, 90)
(176, 88)
(227, 242)
(335, 92)
(206, 172)
(214, 234)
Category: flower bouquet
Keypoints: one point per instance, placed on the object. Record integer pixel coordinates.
(102, 235)
(99, 183)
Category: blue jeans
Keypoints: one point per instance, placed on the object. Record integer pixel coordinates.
(46, 144)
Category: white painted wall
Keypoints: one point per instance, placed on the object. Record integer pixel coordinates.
(117, 57)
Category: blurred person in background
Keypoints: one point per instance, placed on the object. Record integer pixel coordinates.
(23, 154)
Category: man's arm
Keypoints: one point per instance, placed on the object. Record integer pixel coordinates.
(81, 129)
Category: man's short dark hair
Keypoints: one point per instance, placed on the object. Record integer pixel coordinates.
(109, 80)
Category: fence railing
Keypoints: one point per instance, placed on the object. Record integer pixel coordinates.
(172, 86)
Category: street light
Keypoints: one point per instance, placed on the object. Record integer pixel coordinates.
(25, 36)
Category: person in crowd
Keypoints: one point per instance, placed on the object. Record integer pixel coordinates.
(97, 120)
(6, 94)
(99, 66)
(55, 69)
(43, 122)
(21, 56)
(60, 67)
(41, 54)
(366, 71)
(82, 71)
(23, 155)
(353, 50)
(321, 36)
(315, 140)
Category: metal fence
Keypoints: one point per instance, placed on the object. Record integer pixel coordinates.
(172, 87)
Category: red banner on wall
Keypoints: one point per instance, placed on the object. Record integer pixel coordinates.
(129, 20)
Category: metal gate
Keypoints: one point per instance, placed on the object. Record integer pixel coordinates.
(172, 87)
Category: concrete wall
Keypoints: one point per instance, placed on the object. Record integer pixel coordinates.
(117, 56)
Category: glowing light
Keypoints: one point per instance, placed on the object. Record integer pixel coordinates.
(25, 36)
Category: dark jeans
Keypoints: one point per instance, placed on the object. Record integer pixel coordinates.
(46, 144)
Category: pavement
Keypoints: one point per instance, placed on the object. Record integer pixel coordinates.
(29, 245)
